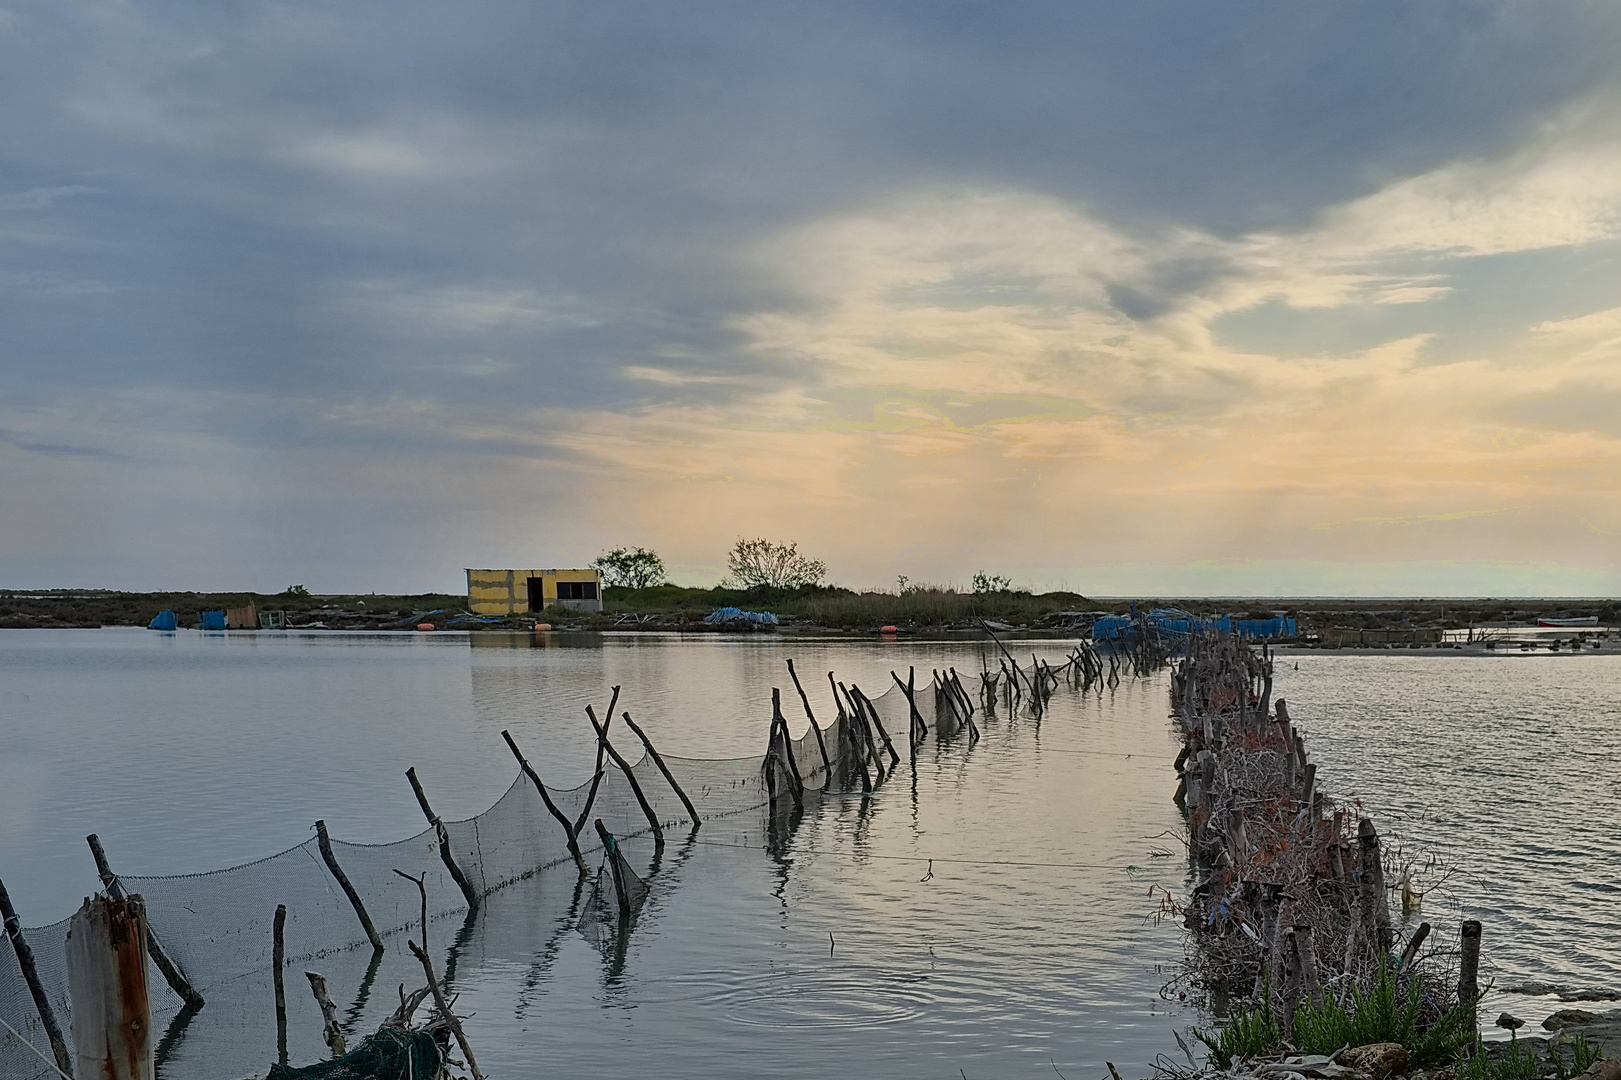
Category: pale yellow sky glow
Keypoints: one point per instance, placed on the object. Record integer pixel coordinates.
(966, 392)
(1138, 300)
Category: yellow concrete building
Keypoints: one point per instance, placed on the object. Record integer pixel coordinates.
(513, 592)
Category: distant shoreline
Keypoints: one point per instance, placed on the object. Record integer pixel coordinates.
(819, 611)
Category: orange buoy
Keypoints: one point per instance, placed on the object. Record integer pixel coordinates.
(540, 626)
(889, 630)
(425, 626)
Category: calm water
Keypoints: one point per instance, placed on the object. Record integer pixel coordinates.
(1024, 945)
(1506, 767)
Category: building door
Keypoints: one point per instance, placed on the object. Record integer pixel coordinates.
(537, 594)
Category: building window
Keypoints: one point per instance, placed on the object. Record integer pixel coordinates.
(576, 590)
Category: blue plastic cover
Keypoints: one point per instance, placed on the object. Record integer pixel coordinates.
(211, 620)
(732, 614)
(163, 620)
(1170, 621)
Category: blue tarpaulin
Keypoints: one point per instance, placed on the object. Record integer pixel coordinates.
(211, 620)
(732, 614)
(1170, 621)
(163, 620)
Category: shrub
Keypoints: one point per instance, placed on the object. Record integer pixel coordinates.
(1248, 1033)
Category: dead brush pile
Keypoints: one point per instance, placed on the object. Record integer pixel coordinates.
(1290, 924)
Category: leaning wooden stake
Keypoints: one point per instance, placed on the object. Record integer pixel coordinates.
(596, 777)
(456, 874)
(36, 989)
(331, 1033)
(444, 1011)
(821, 744)
(916, 722)
(1408, 954)
(630, 777)
(872, 715)
(546, 797)
(324, 842)
(779, 724)
(621, 894)
(171, 971)
(278, 962)
(692, 811)
(112, 1013)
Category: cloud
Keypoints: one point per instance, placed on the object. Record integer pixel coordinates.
(40, 197)
(903, 282)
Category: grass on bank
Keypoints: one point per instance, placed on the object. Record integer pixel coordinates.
(847, 609)
(1388, 1012)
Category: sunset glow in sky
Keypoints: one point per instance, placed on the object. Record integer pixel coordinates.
(1159, 298)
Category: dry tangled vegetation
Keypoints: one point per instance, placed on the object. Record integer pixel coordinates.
(1290, 930)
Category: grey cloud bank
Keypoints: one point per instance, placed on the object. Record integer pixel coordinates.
(282, 277)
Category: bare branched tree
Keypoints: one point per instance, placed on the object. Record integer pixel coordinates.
(780, 566)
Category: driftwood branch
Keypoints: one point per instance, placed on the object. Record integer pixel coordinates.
(331, 1033)
(444, 1010)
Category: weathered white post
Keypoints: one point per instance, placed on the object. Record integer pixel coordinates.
(112, 1014)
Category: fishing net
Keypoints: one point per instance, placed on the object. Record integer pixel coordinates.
(389, 1054)
(217, 926)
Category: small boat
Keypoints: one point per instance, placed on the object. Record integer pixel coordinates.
(1586, 620)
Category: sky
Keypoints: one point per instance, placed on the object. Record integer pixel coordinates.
(1159, 298)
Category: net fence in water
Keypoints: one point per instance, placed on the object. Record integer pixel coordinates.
(217, 926)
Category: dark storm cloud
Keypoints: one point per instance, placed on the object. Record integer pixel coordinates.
(518, 201)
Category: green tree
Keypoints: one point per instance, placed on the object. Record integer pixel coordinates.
(989, 583)
(632, 568)
(751, 563)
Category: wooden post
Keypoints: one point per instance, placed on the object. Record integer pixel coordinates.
(783, 756)
(821, 744)
(620, 892)
(917, 718)
(36, 989)
(1408, 954)
(1469, 962)
(1290, 956)
(278, 962)
(596, 778)
(546, 797)
(456, 874)
(1306, 954)
(630, 778)
(112, 1015)
(781, 724)
(324, 842)
(1373, 887)
(1007, 654)
(171, 971)
(851, 732)
(872, 714)
(692, 811)
(331, 1033)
